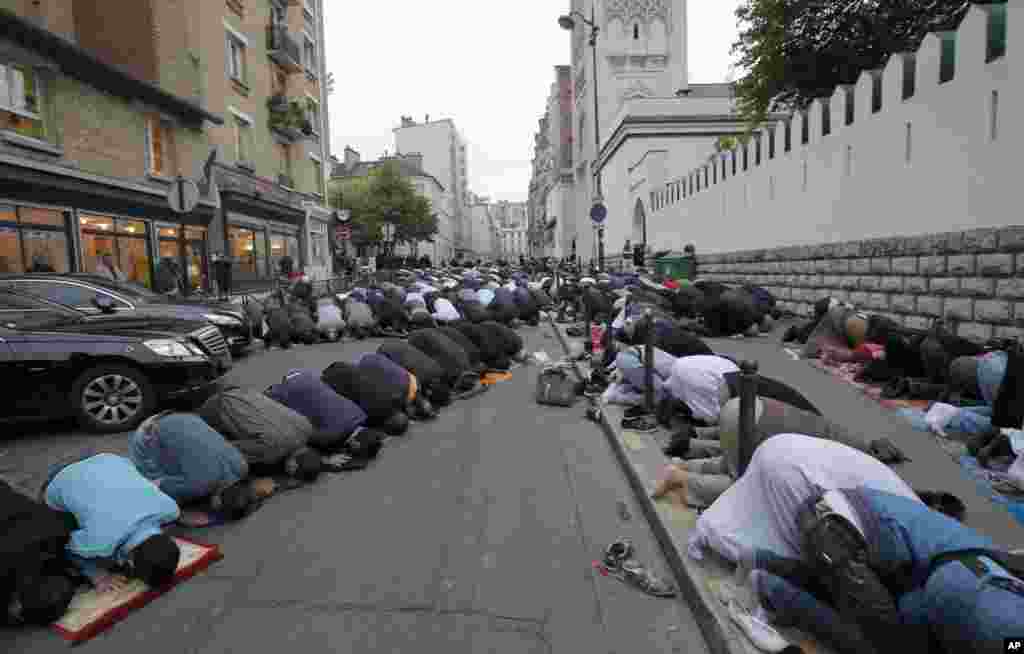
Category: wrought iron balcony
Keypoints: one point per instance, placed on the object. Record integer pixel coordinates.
(284, 49)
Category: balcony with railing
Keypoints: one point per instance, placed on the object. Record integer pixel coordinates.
(284, 49)
(289, 118)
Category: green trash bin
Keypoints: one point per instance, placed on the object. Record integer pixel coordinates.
(675, 266)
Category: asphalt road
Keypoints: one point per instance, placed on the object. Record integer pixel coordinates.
(474, 533)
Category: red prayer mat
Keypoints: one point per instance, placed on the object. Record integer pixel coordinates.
(848, 372)
(92, 613)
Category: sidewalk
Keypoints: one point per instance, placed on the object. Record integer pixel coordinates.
(930, 468)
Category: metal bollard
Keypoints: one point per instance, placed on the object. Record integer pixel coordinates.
(748, 379)
(607, 341)
(649, 362)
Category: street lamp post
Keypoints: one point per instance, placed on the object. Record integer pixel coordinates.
(567, 22)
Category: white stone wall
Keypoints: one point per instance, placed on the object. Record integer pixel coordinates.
(860, 181)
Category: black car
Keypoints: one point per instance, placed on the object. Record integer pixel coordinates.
(80, 290)
(108, 371)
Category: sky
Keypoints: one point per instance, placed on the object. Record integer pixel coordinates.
(490, 72)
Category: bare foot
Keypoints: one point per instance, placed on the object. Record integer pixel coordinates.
(672, 476)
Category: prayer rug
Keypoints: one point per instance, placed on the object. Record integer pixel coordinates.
(849, 372)
(91, 612)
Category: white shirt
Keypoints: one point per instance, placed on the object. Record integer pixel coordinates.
(699, 381)
(445, 311)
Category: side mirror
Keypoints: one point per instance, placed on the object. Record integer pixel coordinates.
(104, 303)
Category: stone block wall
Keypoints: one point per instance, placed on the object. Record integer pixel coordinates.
(975, 276)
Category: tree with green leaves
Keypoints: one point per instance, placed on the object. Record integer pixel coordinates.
(793, 51)
(381, 196)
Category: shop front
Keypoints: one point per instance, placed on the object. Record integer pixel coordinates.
(35, 238)
(256, 247)
(261, 223)
(188, 245)
(91, 216)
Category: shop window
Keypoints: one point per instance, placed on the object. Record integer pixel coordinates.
(11, 259)
(124, 240)
(30, 236)
(248, 251)
(20, 101)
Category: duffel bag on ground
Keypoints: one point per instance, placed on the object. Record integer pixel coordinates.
(555, 387)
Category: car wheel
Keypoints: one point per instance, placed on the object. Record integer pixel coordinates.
(112, 398)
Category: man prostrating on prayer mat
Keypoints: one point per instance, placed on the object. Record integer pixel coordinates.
(121, 516)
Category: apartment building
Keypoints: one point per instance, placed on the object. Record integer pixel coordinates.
(444, 156)
(104, 103)
(262, 67)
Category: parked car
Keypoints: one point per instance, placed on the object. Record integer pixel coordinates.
(108, 371)
(80, 290)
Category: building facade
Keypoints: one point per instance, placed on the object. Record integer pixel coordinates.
(551, 204)
(649, 118)
(80, 172)
(411, 167)
(482, 233)
(264, 69)
(445, 157)
(79, 183)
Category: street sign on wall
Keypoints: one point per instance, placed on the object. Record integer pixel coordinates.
(598, 213)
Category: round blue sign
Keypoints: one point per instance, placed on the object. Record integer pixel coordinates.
(598, 213)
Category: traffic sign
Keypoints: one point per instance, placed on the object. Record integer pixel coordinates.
(598, 213)
(183, 195)
(389, 232)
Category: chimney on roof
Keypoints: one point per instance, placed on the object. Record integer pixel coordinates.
(407, 121)
(427, 118)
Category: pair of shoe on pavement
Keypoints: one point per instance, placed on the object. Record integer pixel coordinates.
(618, 561)
(639, 420)
(754, 624)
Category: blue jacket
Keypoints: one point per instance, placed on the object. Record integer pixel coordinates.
(190, 459)
(964, 609)
(116, 508)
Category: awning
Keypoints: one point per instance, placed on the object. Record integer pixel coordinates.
(31, 184)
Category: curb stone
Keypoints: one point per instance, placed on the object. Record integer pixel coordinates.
(640, 458)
